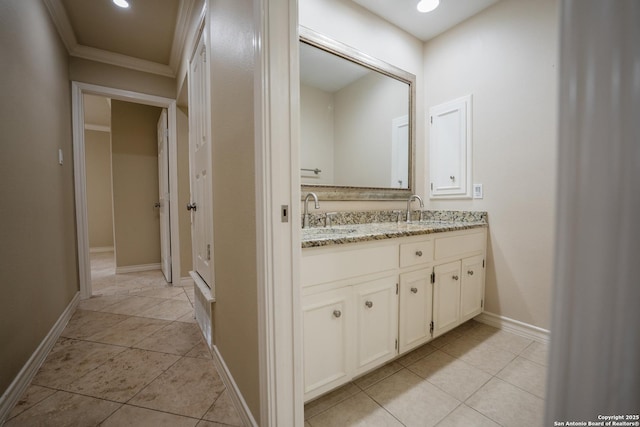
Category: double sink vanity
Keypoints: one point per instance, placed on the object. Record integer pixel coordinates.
(375, 287)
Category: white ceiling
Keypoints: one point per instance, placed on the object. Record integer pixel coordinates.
(425, 26)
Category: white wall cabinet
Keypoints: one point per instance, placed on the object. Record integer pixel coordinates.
(450, 152)
(364, 304)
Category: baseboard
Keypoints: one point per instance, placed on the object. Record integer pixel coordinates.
(20, 383)
(514, 326)
(137, 268)
(100, 249)
(232, 388)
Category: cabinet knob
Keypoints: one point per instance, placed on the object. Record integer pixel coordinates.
(369, 304)
(414, 290)
(455, 277)
(337, 313)
(419, 253)
(470, 272)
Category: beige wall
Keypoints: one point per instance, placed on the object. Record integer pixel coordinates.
(234, 203)
(97, 150)
(184, 217)
(38, 267)
(135, 183)
(98, 73)
(507, 57)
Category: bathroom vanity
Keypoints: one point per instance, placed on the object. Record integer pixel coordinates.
(372, 292)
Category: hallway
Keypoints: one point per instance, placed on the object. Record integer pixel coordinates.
(131, 355)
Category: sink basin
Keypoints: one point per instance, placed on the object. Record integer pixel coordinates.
(326, 232)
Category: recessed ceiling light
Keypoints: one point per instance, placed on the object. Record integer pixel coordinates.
(425, 6)
(121, 3)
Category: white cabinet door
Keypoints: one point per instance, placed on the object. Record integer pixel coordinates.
(327, 335)
(450, 148)
(377, 326)
(415, 309)
(446, 297)
(471, 287)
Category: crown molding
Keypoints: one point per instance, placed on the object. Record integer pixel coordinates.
(63, 24)
(61, 20)
(120, 60)
(181, 33)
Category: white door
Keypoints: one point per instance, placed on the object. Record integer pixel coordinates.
(200, 161)
(400, 152)
(471, 287)
(163, 193)
(326, 320)
(446, 297)
(377, 329)
(415, 309)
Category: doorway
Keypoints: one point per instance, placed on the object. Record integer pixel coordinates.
(78, 92)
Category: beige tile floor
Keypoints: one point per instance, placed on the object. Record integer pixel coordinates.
(473, 376)
(130, 356)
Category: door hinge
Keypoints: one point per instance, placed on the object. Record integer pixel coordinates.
(482, 263)
(433, 277)
(432, 186)
(431, 328)
(397, 289)
(208, 252)
(204, 53)
(481, 303)
(396, 344)
(431, 119)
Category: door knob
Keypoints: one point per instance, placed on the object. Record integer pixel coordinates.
(156, 205)
(369, 304)
(337, 313)
(414, 290)
(454, 277)
(470, 272)
(419, 253)
(192, 206)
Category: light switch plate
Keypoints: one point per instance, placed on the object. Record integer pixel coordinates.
(477, 191)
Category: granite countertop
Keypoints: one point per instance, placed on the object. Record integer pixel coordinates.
(352, 233)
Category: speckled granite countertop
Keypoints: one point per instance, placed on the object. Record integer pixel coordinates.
(353, 233)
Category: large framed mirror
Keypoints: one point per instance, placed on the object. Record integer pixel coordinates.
(357, 123)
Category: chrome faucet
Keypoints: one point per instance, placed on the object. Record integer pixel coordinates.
(305, 222)
(413, 197)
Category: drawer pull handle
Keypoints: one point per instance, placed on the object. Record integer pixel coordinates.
(337, 313)
(414, 290)
(419, 253)
(455, 277)
(369, 304)
(470, 272)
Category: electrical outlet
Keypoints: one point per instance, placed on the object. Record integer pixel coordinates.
(477, 191)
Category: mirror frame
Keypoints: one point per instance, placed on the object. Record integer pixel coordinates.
(336, 192)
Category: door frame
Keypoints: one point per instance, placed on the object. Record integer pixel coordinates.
(78, 89)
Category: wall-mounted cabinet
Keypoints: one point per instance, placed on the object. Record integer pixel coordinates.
(364, 304)
(450, 149)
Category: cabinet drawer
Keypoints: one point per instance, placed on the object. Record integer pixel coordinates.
(416, 253)
(331, 265)
(458, 245)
